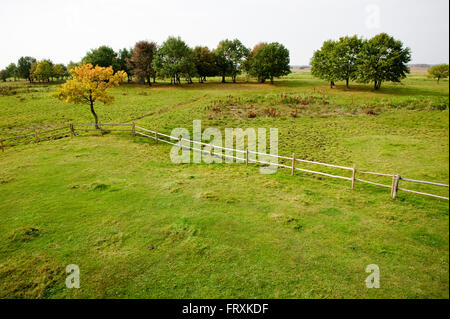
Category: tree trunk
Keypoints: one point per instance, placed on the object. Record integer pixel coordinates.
(438, 80)
(93, 113)
(346, 83)
(149, 81)
(331, 84)
(271, 80)
(223, 78)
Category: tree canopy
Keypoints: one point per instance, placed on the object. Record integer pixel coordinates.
(346, 59)
(102, 56)
(43, 70)
(439, 71)
(24, 67)
(123, 59)
(379, 59)
(174, 59)
(383, 58)
(230, 58)
(323, 62)
(204, 62)
(269, 61)
(141, 61)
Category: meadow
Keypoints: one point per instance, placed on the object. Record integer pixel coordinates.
(140, 226)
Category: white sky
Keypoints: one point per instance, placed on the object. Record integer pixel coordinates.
(64, 30)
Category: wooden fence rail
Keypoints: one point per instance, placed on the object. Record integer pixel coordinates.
(161, 137)
(394, 187)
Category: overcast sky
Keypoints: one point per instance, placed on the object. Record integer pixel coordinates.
(65, 30)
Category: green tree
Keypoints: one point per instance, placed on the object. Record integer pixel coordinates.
(24, 66)
(383, 58)
(230, 58)
(204, 62)
(269, 61)
(59, 71)
(324, 64)
(174, 59)
(3, 75)
(439, 71)
(103, 56)
(246, 67)
(188, 69)
(123, 61)
(141, 62)
(11, 71)
(43, 71)
(346, 58)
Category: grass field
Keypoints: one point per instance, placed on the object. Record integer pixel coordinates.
(140, 226)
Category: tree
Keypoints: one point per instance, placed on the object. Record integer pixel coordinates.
(188, 69)
(103, 56)
(3, 75)
(323, 62)
(230, 58)
(204, 62)
(32, 71)
(246, 67)
(88, 85)
(439, 71)
(346, 58)
(269, 61)
(174, 59)
(24, 66)
(11, 71)
(141, 61)
(383, 58)
(59, 71)
(122, 61)
(72, 65)
(43, 71)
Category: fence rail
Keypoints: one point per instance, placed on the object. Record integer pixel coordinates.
(157, 136)
(161, 137)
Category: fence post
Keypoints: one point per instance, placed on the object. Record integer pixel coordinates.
(293, 164)
(246, 156)
(3, 147)
(133, 129)
(354, 176)
(395, 182)
(72, 133)
(36, 135)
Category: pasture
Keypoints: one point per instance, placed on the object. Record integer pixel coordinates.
(140, 226)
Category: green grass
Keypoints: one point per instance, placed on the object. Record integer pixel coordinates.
(140, 226)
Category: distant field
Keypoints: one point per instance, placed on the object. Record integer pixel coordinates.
(140, 226)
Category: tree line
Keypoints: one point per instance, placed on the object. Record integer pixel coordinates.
(379, 59)
(173, 60)
(29, 68)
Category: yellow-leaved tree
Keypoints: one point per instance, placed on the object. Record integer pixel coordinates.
(88, 85)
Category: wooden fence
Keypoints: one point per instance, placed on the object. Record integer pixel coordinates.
(177, 141)
(36, 136)
(394, 187)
